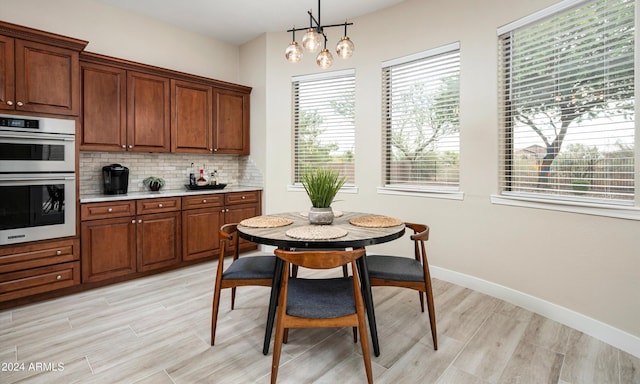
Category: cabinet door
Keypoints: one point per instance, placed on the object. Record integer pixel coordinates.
(200, 237)
(158, 240)
(231, 122)
(191, 120)
(104, 108)
(148, 122)
(237, 213)
(47, 79)
(7, 74)
(108, 248)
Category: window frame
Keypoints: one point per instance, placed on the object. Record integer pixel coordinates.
(608, 208)
(296, 186)
(430, 191)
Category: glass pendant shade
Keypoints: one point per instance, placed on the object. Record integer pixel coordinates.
(311, 41)
(345, 48)
(324, 59)
(293, 53)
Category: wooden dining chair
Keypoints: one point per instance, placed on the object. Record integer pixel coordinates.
(320, 303)
(243, 271)
(404, 272)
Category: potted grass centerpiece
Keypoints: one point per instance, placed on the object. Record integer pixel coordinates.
(322, 185)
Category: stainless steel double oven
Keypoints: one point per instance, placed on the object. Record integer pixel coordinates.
(37, 178)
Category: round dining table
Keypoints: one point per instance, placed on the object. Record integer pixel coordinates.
(288, 232)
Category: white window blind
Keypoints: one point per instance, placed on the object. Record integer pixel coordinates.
(568, 104)
(324, 123)
(421, 98)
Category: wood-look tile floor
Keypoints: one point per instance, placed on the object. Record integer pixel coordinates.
(157, 330)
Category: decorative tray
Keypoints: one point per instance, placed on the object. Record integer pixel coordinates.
(203, 187)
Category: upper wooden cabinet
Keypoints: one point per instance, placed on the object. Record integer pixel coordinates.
(136, 107)
(124, 110)
(104, 114)
(191, 120)
(39, 71)
(148, 106)
(231, 122)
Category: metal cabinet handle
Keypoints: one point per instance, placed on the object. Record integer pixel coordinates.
(9, 102)
(140, 221)
(133, 221)
(124, 146)
(20, 104)
(58, 252)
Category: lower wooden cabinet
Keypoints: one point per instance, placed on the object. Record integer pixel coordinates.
(158, 240)
(40, 267)
(202, 216)
(119, 243)
(125, 237)
(108, 248)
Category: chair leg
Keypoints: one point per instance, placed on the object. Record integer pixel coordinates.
(233, 297)
(277, 348)
(432, 316)
(355, 334)
(421, 301)
(214, 313)
(366, 354)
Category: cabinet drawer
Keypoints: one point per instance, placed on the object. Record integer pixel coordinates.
(203, 201)
(38, 280)
(158, 205)
(37, 255)
(242, 197)
(92, 211)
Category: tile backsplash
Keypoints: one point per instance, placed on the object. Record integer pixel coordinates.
(173, 167)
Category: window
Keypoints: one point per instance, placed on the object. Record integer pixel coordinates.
(568, 120)
(421, 98)
(324, 123)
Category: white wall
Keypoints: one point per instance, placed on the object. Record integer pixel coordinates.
(587, 264)
(114, 32)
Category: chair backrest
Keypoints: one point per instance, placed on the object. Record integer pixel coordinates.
(229, 239)
(320, 259)
(419, 236)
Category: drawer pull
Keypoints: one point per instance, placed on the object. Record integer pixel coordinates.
(140, 221)
(133, 221)
(59, 277)
(204, 200)
(110, 210)
(58, 252)
(244, 197)
(159, 205)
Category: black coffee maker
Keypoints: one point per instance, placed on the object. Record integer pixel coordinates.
(116, 179)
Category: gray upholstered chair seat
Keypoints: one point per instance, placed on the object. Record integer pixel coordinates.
(394, 268)
(251, 267)
(321, 298)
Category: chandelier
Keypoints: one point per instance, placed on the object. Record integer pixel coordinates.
(314, 38)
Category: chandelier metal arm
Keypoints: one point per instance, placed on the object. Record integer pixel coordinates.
(319, 27)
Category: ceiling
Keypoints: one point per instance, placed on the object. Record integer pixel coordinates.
(239, 21)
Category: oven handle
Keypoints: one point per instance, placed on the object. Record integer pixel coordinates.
(35, 135)
(36, 176)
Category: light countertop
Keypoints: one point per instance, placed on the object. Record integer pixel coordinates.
(95, 198)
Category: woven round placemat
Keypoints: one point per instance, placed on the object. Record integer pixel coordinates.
(375, 221)
(266, 222)
(316, 232)
(336, 213)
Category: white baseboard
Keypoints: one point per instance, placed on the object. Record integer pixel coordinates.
(592, 327)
